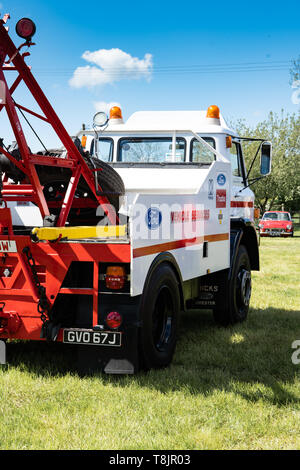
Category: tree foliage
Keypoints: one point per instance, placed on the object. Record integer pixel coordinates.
(282, 186)
(295, 71)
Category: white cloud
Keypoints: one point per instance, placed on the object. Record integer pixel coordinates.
(109, 66)
(103, 106)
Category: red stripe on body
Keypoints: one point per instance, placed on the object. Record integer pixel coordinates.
(241, 204)
(174, 245)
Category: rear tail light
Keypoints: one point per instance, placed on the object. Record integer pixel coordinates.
(115, 277)
(113, 320)
(25, 28)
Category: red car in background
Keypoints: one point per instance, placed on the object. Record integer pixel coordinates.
(276, 223)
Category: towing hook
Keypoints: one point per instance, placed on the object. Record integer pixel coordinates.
(33, 238)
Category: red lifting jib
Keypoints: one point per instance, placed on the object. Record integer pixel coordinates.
(30, 187)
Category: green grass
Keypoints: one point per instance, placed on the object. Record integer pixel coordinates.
(233, 388)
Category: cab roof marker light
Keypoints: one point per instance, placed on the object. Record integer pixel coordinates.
(115, 115)
(213, 115)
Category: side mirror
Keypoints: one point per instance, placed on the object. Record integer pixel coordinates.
(265, 158)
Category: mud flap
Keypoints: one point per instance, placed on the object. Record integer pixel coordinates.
(124, 360)
(213, 290)
(2, 353)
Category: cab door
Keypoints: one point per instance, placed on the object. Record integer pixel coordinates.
(242, 200)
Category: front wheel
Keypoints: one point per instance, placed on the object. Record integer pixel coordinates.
(238, 292)
(159, 312)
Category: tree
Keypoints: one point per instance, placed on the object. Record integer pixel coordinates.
(295, 71)
(282, 186)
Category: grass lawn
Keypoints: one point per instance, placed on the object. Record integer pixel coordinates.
(233, 388)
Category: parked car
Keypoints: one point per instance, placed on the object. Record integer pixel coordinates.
(276, 223)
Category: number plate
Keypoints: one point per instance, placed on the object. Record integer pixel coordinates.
(91, 337)
(275, 233)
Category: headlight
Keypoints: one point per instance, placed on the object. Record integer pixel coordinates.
(289, 227)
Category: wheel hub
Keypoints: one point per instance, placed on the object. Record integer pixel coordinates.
(162, 321)
(245, 280)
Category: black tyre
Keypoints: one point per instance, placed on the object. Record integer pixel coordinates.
(109, 180)
(55, 179)
(160, 308)
(238, 292)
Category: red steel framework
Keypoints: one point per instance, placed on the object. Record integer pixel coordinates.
(11, 59)
(19, 293)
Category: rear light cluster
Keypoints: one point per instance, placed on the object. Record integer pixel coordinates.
(113, 320)
(115, 277)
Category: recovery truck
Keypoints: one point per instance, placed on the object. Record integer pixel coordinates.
(104, 241)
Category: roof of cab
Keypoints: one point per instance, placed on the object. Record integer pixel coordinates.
(194, 120)
(160, 121)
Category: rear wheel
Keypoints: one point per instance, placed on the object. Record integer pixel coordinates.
(238, 292)
(159, 312)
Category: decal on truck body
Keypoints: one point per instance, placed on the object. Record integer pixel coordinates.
(220, 198)
(221, 179)
(153, 218)
(210, 189)
(8, 246)
(188, 216)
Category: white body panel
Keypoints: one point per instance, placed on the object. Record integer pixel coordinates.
(182, 238)
(162, 180)
(169, 196)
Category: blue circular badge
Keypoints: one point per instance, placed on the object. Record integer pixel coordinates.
(153, 218)
(221, 179)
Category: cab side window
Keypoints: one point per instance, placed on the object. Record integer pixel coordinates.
(105, 149)
(200, 153)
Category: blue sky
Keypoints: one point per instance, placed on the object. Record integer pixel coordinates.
(179, 55)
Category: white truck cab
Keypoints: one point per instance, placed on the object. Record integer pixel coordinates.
(163, 129)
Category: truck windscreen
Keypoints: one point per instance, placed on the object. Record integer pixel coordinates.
(151, 150)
